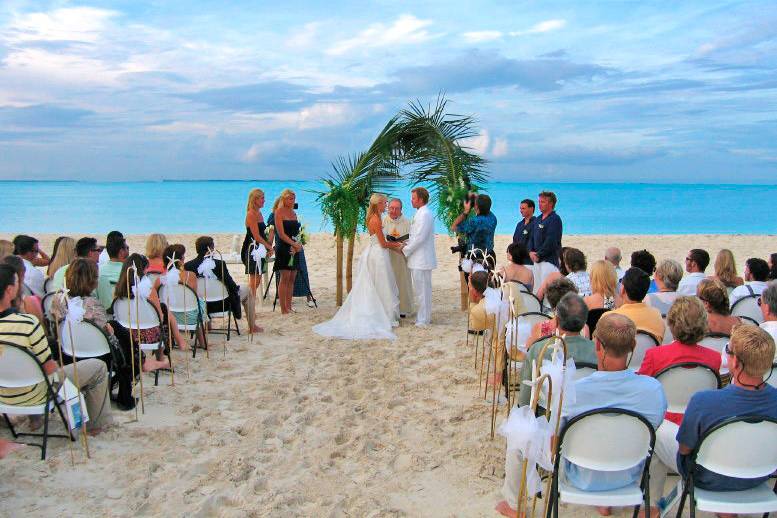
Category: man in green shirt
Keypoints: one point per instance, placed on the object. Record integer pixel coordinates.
(109, 272)
(571, 313)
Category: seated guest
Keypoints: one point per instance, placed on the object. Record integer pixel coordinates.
(41, 259)
(109, 272)
(29, 304)
(555, 291)
(478, 229)
(750, 353)
(64, 252)
(687, 320)
(646, 262)
(25, 331)
(514, 270)
(479, 320)
(667, 277)
(712, 293)
(756, 276)
(155, 248)
(613, 256)
(86, 248)
(695, 264)
(236, 294)
(726, 269)
(576, 265)
(634, 288)
(604, 279)
(104, 257)
(552, 276)
(176, 254)
(611, 386)
(26, 247)
(772, 266)
(571, 315)
(769, 310)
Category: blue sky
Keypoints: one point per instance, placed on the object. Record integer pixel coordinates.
(563, 91)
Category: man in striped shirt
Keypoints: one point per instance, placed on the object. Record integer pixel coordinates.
(25, 330)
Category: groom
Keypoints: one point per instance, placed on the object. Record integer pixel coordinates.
(421, 258)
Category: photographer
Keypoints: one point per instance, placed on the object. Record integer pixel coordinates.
(478, 229)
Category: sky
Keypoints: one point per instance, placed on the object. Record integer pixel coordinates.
(562, 91)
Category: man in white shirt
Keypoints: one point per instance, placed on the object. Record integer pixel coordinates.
(613, 256)
(104, 257)
(695, 264)
(27, 249)
(421, 256)
(769, 311)
(756, 275)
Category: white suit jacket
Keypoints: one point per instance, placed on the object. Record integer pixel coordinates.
(420, 247)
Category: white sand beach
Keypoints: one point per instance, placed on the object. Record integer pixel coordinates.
(290, 424)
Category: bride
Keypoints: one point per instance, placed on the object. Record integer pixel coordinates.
(372, 306)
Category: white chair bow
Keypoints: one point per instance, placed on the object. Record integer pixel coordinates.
(206, 268)
(75, 310)
(530, 436)
(142, 289)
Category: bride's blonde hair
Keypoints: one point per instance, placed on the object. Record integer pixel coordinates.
(373, 208)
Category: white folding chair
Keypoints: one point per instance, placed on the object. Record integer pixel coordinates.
(605, 439)
(772, 380)
(584, 369)
(715, 341)
(532, 318)
(182, 299)
(517, 291)
(48, 285)
(141, 315)
(682, 380)
(747, 308)
(645, 341)
(26, 290)
(214, 291)
(19, 368)
(89, 341)
(740, 447)
(531, 304)
(668, 337)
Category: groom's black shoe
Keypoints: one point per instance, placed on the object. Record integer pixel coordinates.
(402, 316)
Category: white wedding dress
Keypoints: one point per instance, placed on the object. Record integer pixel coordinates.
(371, 309)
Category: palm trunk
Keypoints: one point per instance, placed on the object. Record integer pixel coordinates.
(349, 264)
(339, 241)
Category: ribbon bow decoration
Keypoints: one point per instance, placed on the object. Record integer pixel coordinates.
(496, 306)
(555, 369)
(530, 436)
(206, 268)
(75, 310)
(142, 289)
(171, 278)
(259, 251)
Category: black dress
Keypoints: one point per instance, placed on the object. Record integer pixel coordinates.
(283, 249)
(245, 255)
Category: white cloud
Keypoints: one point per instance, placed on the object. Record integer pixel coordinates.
(405, 30)
(477, 144)
(500, 148)
(546, 26)
(253, 153)
(480, 36)
(75, 24)
(305, 37)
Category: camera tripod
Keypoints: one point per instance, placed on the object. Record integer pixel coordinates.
(277, 278)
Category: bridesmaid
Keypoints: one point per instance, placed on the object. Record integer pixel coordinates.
(287, 228)
(256, 231)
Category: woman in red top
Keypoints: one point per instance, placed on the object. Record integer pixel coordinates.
(687, 319)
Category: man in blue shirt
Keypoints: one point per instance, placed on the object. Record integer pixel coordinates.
(750, 354)
(547, 232)
(524, 228)
(478, 229)
(612, 386)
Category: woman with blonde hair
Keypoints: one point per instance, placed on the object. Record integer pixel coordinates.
(155, 249)
(63, 254)
(256, 234)
(372, 307)
(603, 282)
(287, 229)
(726, 269)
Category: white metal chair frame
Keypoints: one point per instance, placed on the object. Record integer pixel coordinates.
(45, 408)
(633, 353)
(120, 315)
(219, 294)
(555, 493)
(754, 316)
(668, 375)
(184, 304)
(47, 286)
(688, 482)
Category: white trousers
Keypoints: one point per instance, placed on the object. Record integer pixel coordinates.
(664, 458)
(422, 288)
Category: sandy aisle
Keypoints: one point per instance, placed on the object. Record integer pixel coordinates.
(294, 425)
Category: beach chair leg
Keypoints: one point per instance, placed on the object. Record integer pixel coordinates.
(10, 426)
(46, 431)
(237, 328)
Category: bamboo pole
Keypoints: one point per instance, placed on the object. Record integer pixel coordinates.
(132, 344)
(464, 292)
(84, 439)
(62, 369)
(170, 326)
(140, 352)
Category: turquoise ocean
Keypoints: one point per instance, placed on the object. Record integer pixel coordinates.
(219, 206)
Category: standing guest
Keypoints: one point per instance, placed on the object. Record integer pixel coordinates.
(712, 293)
(301, 280)
(603, 283)
(726, 269)
(104, 257)
(525, 227)
(613, 385)
(613, 256)
(26, 247)
(40, 259)
(155, 249)
(64, 252)
(772, 266)
(634, 288)
(574, 259)
(756, 276)
(749, 354)
(6, 248)
(515, 269)
(86, 248)
(646, 262)
(26, 331)
(286, 247)
(256, 234)
(421, 256)
(556, 290)
(478, 229)
(109, 272)
(769, 310)
(695, 264)
(29, 304)
(397, 227)
(547, 232)
(667, 278)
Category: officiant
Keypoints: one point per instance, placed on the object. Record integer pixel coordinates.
(396, 227)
